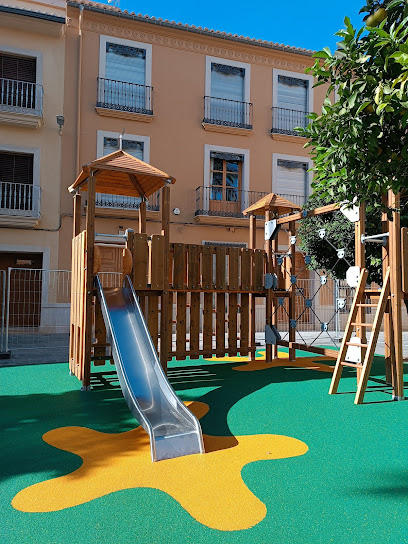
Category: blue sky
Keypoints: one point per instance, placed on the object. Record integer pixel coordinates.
(310, 24)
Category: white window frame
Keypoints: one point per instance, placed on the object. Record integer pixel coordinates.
(130, 43)
(27, 53)
(36, 162)
(276, 72)
(227, 62)
(245, 170)
(297, 158)
(101, 134)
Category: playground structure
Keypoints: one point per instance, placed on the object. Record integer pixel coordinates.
(209, 292)
(283, 292)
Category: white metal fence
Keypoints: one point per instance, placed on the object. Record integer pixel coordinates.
(35, 313)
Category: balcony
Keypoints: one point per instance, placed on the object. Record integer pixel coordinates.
(19, 204)
(285, 121)
(220, 205)
(229, 116)
(224, 205)
(124, 100)
(127, 206)
(21, 103)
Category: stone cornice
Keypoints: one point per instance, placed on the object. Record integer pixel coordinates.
(275, 59)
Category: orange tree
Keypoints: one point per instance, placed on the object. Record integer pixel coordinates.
(359, 142)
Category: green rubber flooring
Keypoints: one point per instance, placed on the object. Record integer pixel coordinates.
(350, 487)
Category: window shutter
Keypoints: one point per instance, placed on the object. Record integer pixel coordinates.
(16, 168)
(18, 68)
(291, 179)
(125, 63)
(227, 82)
(226, 156)
(293, 93)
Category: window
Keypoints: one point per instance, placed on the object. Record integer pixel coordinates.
(18, 81)
(132, 147)
(292, 101)
(226, 178)
(16, 181)
(225, 183)
(227, 93)
(137, 146)
(125, 75)
(290, 177)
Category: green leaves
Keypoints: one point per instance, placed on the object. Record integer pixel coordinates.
(400, 57)
(355, 140)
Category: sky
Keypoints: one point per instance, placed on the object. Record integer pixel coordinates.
(297, 23)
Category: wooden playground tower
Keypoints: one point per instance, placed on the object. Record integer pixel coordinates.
(207, 294)
(387, 301)
(199, 292)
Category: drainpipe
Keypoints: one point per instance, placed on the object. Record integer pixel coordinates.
(78, 136)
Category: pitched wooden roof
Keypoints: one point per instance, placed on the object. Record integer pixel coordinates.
(122, 174)
(272, 202)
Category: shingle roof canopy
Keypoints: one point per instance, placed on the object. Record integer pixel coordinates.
(272, 202)
(122, 174)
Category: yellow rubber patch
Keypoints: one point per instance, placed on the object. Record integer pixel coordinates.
(207, 486)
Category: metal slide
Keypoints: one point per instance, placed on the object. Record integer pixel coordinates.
(173, 430)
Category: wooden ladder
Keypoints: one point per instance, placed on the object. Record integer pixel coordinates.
(365, 366)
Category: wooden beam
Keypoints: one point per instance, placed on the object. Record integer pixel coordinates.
(273, 304)
(300, 215)
(252, 245)
(396, 291)
(142, 217)
(90, 242)
(387, 314)
(292, 293)
(312, 349)
(77, 214)
(137, 185)
(359, 257)
(268, 318)
(165, 335)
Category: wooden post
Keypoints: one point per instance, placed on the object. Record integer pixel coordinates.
(90, 241)
(252, 245)
(77, 214)
(387, 314)
(165, 348)
(142, 216)
(268, 316)
(292, 293)
(273, 304)
(359, 254)
(396, 291)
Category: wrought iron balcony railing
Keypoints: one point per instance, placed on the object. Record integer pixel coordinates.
(224, 201)
(217, 201)
(285, 121)
(21, 96)
(126, 202)
(123, 96)
(19, 199)
(227, 113)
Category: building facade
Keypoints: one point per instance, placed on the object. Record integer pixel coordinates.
(32, 56)
(215, 111)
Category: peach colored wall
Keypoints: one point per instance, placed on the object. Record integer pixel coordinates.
(46, 138)
(177, 137)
